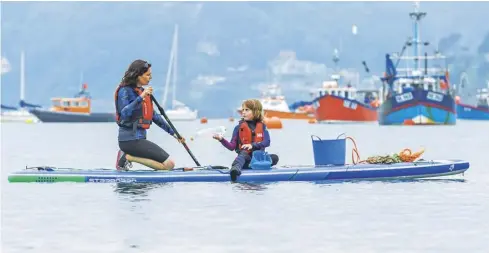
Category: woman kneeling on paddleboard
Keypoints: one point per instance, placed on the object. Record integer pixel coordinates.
(134, 115)
(249, 135)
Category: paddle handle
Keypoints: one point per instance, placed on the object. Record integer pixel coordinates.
(174, 129)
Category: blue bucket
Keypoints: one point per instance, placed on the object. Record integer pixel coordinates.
(329, 152)
(261, 160)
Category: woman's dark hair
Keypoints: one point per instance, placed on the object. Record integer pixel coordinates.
(135, 70)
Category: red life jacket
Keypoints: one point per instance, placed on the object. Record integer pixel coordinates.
(248, 136)
(141, 118)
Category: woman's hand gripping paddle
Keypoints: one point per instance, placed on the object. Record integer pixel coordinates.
(174, 130)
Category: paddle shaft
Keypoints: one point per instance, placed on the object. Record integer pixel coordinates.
(174, 129)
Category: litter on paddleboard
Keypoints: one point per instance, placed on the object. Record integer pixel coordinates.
(329, 165)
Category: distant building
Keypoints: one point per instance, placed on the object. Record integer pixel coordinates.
(286, 63)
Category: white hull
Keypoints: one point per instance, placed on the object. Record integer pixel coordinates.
(21, 114)
(181, 115)
(18, 116)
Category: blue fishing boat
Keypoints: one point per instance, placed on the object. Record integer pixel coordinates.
(479, 111)
(417, 94)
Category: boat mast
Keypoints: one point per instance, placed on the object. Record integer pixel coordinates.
(417, 15)
(22, 102)
(22, 79)
(170, 67)
(336, 59)
(175, 63)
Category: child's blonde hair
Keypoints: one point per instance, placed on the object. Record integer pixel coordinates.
(256, 108)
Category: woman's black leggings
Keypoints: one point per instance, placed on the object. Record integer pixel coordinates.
(144, 149)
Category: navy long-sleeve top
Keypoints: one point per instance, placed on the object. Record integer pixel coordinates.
(129, 101)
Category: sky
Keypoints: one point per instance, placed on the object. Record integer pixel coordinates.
(66, 43)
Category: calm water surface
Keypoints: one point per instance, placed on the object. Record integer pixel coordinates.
(422, 216)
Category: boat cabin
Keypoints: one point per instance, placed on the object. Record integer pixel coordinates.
(369, 97)
(403, 85)
(429, 78)
(482, 98)
(80, 103)
(272, 99)
(331, 88)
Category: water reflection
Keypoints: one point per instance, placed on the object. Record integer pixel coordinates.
(251, 187)
(142, 189)
(393, 181)
(137, 190)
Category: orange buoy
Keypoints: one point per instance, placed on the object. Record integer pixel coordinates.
(309, 109)
(312, 121)
(203, 120)
(273, 123)
(457, 100)
(409, 122)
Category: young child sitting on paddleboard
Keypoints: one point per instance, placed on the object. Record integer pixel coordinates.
(249, 135)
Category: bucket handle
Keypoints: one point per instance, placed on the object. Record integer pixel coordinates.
(312, 136)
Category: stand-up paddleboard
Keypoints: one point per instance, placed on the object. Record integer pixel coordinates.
(420, 169)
